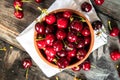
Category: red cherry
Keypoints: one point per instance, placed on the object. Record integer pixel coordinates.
(96, 24)
(50, 19)
(58, 45)
(99, 2)
(62, 63)
(77, 68)
(41, 44)
(18, 14)
(50, 38)
(115, 55)
(115, 31)
(71, 37)
(38, 1)
(80, 43)
(85, 31)
(18, 3)
(49, 51)
(86, 66)
(27, 63)
(76, 25)
(49, 29)
(60, 34)
(62, 53)
(40, 28)
(50, 59)
(87, 40)
(62, 23)
(86, 7)
(81, 54)
(67, 14)
(72, 53)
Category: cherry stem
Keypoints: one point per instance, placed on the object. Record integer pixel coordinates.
(26, 74)
(3, 49)
(18, 8)
(109, 25)
(56, 78)
(26, 0)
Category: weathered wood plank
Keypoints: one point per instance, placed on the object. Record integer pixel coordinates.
(110, 8)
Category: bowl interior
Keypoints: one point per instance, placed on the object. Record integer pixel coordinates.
(90, 46)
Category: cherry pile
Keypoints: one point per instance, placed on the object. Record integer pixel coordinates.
(62, 38)
(18, 5)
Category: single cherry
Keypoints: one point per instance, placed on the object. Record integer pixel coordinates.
(18, 3)
(72, 53)
(115, 55)
(87, 40)
(27, 63)
(41, 44)
(81, 54)
(85, 31)
(62, 63)
(50, 38)
(50, 59)
(71, 37)
(49, 29)
(86, 66)
(40, 28)
(99, 2)
(80, 43)
(49, 51)
(60, 34)
(38, 1)
(76, 25)
(18, 14)
(67, 14)
(50, 19)
(62, 53)
(86, 7)
(62, 23)
(58, 45)
(115, 31)
(96, 24)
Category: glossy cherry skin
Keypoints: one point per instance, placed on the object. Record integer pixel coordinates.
(62, 23)
(58, 45)
(49, 29)
(62, 53)
(50, 38)
(72, 53)
(85, 31)
(49, 51)
(38, 1)
(87, 40)
(67, 14)
(77, 68)
(60, 34)
(114, 32)
(99, 2)
(86, 7)
(50, 19)
(115, 55)
(27, 63)
(18, 14)
(41, 44)
(80, 43)
(62, 63)
(40, 28)
(18, 3)
(50, 59)
(96, 24)
(76, 25)
(81, 54)
(86, 66)
(71, 37)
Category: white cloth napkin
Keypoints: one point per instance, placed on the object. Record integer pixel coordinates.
(27, 41)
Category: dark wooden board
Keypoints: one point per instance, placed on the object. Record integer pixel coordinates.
(10, 27)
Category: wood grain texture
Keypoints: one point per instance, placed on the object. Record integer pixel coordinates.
(10, 26)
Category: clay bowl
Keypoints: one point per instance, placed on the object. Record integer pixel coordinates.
(88, 50)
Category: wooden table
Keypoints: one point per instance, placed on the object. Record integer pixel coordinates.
(10, 26)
